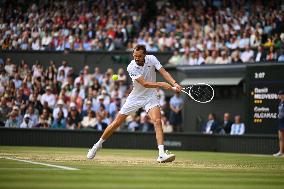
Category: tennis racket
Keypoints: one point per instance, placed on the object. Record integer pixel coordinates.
(199, 92)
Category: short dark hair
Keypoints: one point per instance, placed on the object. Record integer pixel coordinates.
(139, 48)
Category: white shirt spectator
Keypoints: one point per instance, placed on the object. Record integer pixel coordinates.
(238, 129)
(46, 40)
(247, 55)
(88, 122)
(66, 70)
(56, 110)
(49, 98)
(33, 119)
(35, 45)
(27, 123)
(82, 80)
(9, 68)
(196, 61)
(81, 93)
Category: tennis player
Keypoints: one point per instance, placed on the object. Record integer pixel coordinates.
(144, 94)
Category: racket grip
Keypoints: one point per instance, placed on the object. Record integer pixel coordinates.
(174, 88)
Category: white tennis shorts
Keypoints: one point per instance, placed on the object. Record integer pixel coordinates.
(133, 104)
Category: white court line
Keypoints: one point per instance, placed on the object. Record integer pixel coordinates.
(28, 168)
(45, 164)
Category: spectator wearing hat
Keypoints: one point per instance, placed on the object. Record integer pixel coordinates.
(281, 124)
(27, 123)
(101, 102)
(48, 97)
(60, 107)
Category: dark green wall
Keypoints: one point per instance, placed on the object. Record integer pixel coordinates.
(262, 144)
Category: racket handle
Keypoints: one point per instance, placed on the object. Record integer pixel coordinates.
(174, 88)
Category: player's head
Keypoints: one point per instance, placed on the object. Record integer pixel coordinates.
(139, 53)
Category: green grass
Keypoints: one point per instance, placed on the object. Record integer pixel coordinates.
(114, 168)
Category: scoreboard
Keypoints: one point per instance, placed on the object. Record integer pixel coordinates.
(262, 86)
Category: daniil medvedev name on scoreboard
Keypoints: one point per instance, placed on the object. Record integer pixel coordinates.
(261, 98)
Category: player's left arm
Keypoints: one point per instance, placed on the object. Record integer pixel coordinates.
(169, 78)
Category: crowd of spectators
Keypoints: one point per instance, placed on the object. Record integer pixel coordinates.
(225, 126)
(94, 25)
(197, 32)
(55, 97)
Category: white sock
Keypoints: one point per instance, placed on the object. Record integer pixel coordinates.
(100, 142)
(161, 150)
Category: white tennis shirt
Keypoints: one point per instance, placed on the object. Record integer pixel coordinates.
(148, 72)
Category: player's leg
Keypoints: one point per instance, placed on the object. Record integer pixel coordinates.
(281, 143)
(155, 115)
(131, 105)
(120, 118)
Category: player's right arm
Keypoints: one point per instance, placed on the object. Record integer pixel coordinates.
(148, 84)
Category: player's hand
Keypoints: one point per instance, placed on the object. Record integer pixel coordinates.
(178, 88)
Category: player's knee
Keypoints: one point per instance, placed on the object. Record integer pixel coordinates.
(157, 122)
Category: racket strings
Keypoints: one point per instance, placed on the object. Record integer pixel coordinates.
(201, 93)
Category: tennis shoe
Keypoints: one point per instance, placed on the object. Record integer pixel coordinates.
(92, 152)
(278, 154)
(166, 157)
